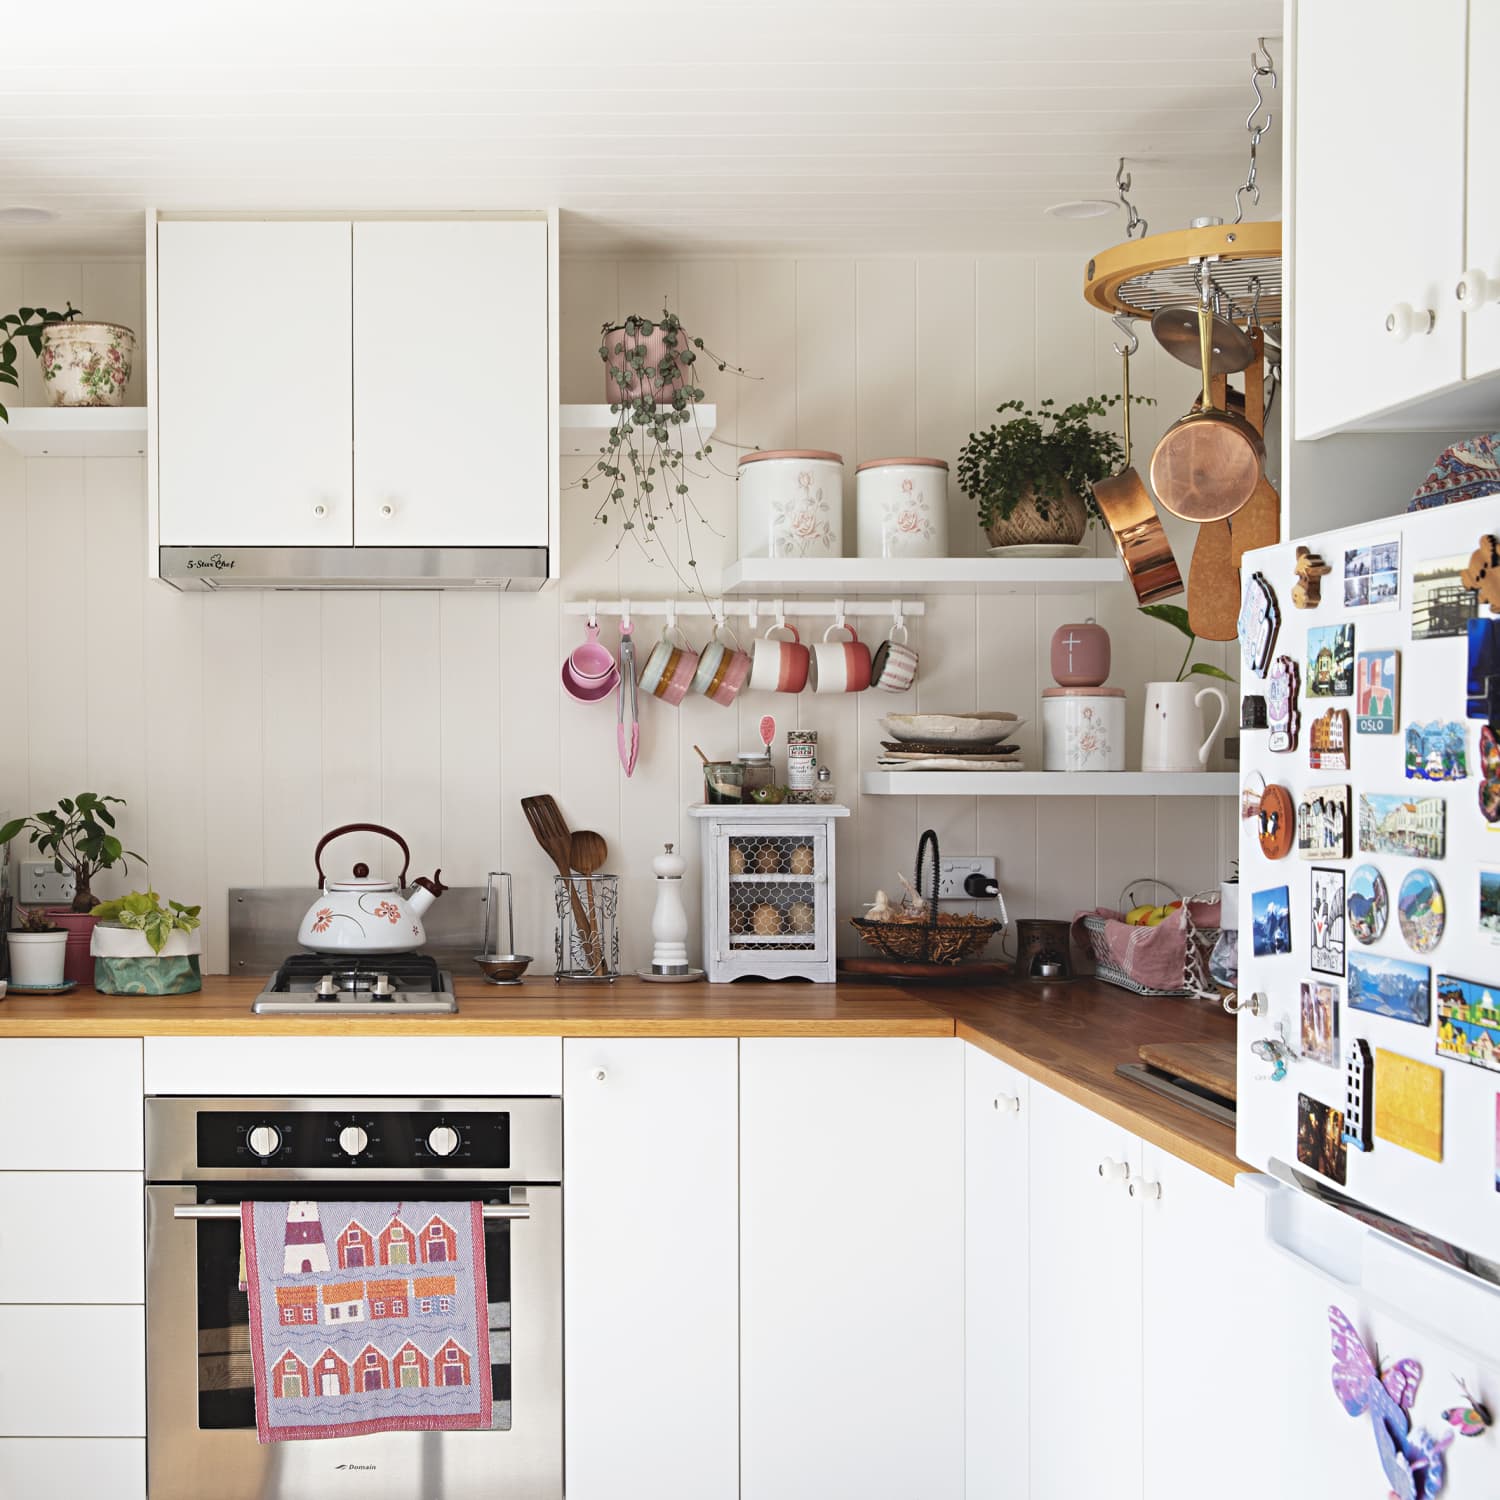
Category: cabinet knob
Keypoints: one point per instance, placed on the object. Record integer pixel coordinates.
(1114, 1171)
(1008, 1104)
(1140, 1188)
(387, 510)
(1403, 320)
(320, 510)
(600, 1075)
(1475, 289)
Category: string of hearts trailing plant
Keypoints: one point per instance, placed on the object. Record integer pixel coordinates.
(643, 468)
(19, 325)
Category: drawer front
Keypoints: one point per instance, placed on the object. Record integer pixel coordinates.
(72, 1237)
(70, 1104)
(72, 1372)
(101, 1468)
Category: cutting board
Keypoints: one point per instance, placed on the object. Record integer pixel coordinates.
(1213, 582)
(1258, 522)
(1208, 1064)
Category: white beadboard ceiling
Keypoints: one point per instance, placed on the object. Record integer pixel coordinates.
(698, 127)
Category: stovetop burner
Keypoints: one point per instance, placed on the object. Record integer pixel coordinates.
(374, 983)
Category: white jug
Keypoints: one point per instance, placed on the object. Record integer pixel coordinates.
(1173, 724)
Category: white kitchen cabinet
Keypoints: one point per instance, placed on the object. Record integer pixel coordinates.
(72, 1371)
(1379, 206)
(99, 1468)
(253, 384)
(997, 1268)
(70, 1104)
(851, 1268)
(1482, 320)
(52, 1226)
(650, 1131)
(451, 446)
(1085, 1301)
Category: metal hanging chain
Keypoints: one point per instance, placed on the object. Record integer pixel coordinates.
(1135, 221)
(1254, 124)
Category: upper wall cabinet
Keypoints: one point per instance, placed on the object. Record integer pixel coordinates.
(1379, 210)
(378, 383)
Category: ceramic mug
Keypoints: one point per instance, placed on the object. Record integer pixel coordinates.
(669, 669)
(840, 666)
(722, 669)
(893, 668)
(779, 666)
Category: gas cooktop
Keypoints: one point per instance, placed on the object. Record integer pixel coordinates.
(371, 984)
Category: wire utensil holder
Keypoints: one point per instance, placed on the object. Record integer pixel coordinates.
(591, 952)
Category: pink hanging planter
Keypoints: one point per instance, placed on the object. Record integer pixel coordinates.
(621, 383)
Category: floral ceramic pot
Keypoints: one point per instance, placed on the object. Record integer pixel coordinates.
(86, 364)
(1083, 729)
(792, 504)
(1063, 524)
(903, 507)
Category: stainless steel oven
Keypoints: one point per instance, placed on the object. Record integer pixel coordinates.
(205, 1156)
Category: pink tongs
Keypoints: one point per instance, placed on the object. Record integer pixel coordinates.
(630, 743)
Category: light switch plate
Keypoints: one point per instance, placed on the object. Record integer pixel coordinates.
(41, 885)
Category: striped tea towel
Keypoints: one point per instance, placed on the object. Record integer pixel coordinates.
(366, 1317)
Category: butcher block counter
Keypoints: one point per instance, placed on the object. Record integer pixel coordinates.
(1067, 1036)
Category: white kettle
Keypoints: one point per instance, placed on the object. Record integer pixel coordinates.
(364, 915)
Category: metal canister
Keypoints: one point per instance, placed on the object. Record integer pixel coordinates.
(801, 762)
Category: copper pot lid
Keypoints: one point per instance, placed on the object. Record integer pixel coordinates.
(1176, 330)
(755, 458)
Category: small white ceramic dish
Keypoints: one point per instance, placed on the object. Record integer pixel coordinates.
(985, 728)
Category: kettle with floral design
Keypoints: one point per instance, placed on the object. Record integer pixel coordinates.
(364, 914)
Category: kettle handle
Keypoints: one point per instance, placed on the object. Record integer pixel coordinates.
(390, 833)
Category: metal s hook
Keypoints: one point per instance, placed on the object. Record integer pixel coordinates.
(1134, 222)
(1126, 325)
(1254, 124)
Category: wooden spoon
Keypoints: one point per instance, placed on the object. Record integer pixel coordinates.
(547, 823)
(587, 852)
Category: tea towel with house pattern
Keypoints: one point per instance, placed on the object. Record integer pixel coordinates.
(367, 1317)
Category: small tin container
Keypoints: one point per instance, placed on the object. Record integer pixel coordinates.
(1083, 729)
(902, 506)
(792, 503)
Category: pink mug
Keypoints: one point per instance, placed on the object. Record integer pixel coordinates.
(894, 665)
(840, 666)
(779, 666)
(669, 669)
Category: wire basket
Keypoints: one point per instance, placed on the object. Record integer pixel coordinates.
(587, 941)
(1199, 943)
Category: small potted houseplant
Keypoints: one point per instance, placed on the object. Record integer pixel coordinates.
(78, 835)
(1032, 477)
(1173, 723)
(83, 364)
(38, 950)
(141, 947)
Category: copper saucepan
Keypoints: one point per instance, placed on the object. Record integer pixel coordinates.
(1208, 463)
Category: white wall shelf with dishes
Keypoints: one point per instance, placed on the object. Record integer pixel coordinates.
(920, 575)
(585, 429)
(1049, 784)
(76, 431)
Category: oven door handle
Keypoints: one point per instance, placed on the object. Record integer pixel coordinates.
(232, 1211)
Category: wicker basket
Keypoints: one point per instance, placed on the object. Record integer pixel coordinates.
(1200, 942)
(950, 940)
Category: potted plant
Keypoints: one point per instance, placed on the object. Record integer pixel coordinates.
(78, 835)
(1173, 724)
(141, 947)
(1033, 476)
(29, 324)
(38, 950)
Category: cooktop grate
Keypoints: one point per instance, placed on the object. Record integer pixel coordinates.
(351, 971)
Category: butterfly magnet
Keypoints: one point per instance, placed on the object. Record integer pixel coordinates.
(1471, 1417)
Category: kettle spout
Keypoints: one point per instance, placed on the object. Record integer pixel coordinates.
(424, 892)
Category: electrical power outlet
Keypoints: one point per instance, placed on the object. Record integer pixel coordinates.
(41, 885)
(953, 872)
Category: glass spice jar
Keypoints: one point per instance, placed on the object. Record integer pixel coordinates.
(823, 792)
(755, 771)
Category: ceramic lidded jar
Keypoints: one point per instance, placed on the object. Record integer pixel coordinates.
(792, 503)
(1080, 655)
(902, 507)
(1083, 729)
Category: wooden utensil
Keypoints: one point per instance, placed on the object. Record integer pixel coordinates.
(1213, 582)
(551, 829)
(587, 852)
(1259, 523)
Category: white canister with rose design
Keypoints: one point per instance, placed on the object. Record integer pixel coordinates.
(903, 507)
(792, 504)
(1083, 729)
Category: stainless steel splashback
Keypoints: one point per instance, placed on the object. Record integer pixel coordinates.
(263, 923)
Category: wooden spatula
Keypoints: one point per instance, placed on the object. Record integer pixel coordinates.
(551, 829)
(1258, 522)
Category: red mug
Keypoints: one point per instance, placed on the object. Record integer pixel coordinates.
(779, 666)
(840, 666)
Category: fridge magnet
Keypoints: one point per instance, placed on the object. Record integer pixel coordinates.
(1328, 921)
(1271, 924)
(1252, 711)
(1368, 904)
(1489, 905)
(1320, 1138)
(1323, 823)
(1320, 1022)
(1436, 751)
(1489, 776)
(1328, 741)
(1483, 573)
(1409, 1104)
(1281, 705)
(1413, 826)
(1419, 909)
(1471, 1417)
(1372, 576)
(1376, 678)
(1441, 605)
(1278, 823)
(1468, 1022)
(1307, 592)
(1273, 1050)
(1390, 987)
(1330, 661)
(1250, 794)
(1256, 627)
(1483, 684)
(1359, 1091)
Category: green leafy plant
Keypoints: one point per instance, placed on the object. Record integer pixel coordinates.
(1177, 617)
(143, 912)
(1043, 453)
(19, 325)
(77, 834)
(36, 920)
(643, 468)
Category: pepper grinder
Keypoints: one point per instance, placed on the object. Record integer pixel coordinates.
(669, 923)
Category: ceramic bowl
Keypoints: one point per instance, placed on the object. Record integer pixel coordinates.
(985, 728)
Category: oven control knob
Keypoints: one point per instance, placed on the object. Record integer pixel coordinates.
(353, 1140)
(264, 1140)
(442, 1140)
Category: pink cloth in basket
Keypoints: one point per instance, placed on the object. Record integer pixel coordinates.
(1153, 956)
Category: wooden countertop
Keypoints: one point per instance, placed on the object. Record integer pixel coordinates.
(1066, 1036)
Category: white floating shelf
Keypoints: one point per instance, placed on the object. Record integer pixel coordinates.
(585, 429)
(1050, 784)
(76, 431)
(767, 577)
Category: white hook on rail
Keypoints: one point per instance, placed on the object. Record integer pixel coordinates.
(839, 622)
(754, 611)
(626, 623)
(594, 613)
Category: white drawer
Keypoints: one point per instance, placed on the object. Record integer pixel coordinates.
(72, 1372)
(445, 1067)
(72, 1237)
(70, 1104)
(101, 1468)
